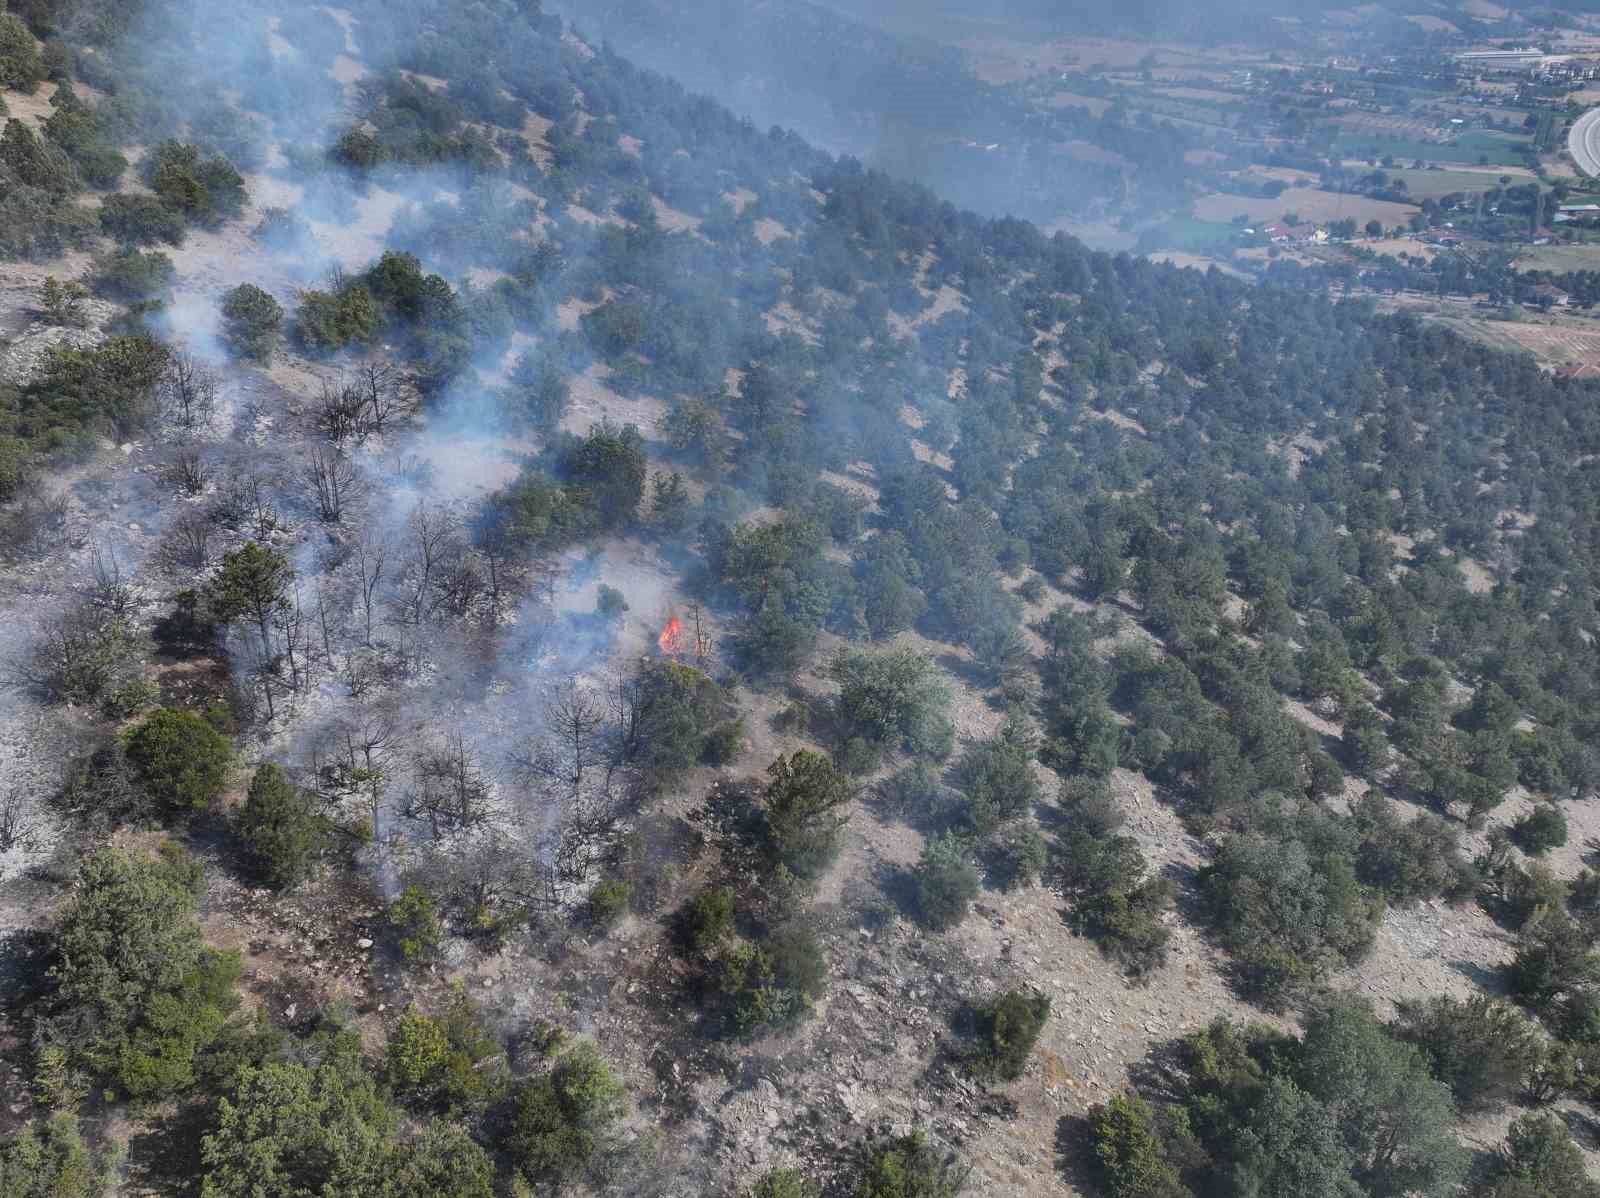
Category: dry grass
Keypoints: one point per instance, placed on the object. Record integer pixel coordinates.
(32, 110)
(1395, 246)
(1311, 204)
(944, 301)
(1095, 104)
(1551, 344)
(767, 230)
(1085, 151)
(534, 129)
(1204, 95)
(572, 310)
(346, 70)
(1197, 262)
(671, 219)
(593, 401)
(1560, 258)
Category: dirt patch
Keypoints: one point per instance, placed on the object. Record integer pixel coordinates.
(1309, 718)
(859, 479)
(534, 129)
(32, 110)
(943, 461)
(784, 317)
(739, 199)
(1296, 450)
(347, 21)
(593, 401)
(1121, 420)
(357, 244)
(672, 220)
(277, 45)
(432, 82)
(346, 70)
(944, 301)
(572, 310)
(465, 468)
(1476, 575)
(766, 230)
(585, 216)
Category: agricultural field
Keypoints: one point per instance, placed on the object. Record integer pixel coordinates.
(1312, 204)
(1004, 60)
(1196, 262)
(1095, 104)
(1431, 184)
(1560, 258)
(1477, 146)
(1552, 344)
(1198, 236)
(1396, 247)
(1399, 128)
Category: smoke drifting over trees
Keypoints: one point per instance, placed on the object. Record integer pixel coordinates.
(558, 639)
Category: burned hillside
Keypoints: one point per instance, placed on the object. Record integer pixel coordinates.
(557, 641)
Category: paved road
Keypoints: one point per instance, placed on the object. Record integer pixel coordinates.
(1584, 142)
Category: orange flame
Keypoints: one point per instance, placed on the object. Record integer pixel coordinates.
(671, 638)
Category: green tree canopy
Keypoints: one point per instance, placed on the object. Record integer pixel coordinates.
(251, 320)
(1395, 1119)
(908, 1167)
(136, 992)
(180, 758)
(252, 584)
(893, 699)
(1129, 1154)
(804, 808)
(560, 1117)
(21, 65)
(1539, 1160)
(1480, 1047)
(946, 882)
(302, 1131)
(49, 1161)
(281, 829)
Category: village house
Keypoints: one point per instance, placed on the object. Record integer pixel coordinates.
(1294, 234)
(1547, 296)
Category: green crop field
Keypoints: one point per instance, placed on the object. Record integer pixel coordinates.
(1560, 258)
(1426, 185)
(1497, 149)
(1187, 233)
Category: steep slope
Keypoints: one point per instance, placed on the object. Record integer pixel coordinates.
(1197, 565)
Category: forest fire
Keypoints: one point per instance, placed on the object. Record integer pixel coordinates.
(671, 638)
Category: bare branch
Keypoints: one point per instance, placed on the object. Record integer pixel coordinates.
(187, 396)
(336, 482)
(186, 548)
